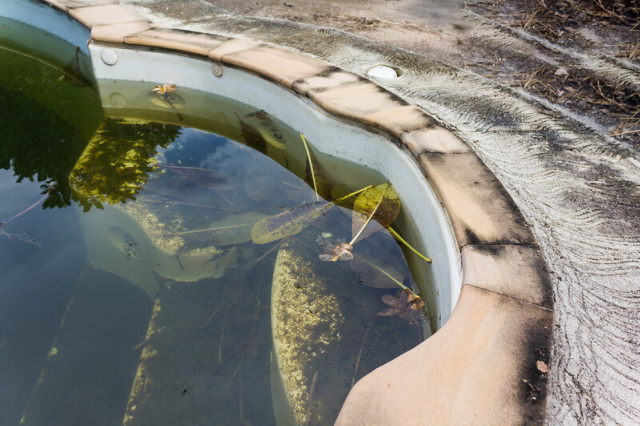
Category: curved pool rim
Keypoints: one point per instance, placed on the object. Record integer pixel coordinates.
(503, 273)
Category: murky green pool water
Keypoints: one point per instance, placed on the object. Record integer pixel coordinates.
(135, 293)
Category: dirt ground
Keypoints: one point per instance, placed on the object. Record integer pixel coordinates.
(609, 30)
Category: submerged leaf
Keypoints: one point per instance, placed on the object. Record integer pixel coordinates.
(260, 114)
(374, 273)
(204, 178)
(333, 252)
(374, 209)
(222, 264)
(289, 222)
(406, 305)
(234, 229)
(247, 348)
(22, 238)
(252, 136)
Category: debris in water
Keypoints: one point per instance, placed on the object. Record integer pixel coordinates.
(337, 251)
(406, 305)
(24, 238)
(165, 88)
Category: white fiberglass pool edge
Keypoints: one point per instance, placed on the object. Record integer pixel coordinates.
(337, 138)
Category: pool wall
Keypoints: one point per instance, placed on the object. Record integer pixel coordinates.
(334, 137)
(489, 362)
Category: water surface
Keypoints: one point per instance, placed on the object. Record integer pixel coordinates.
(123, 298)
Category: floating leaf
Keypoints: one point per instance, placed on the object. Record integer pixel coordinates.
(252, 136)
(234, 229)
(167, 96)
(204, 178)
(288, 223)
(374, 209)
(374, 273)
(165, 88)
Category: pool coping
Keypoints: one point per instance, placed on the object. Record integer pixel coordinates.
(489, 362)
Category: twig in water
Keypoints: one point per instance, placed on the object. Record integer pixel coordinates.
(31, 207)
(24, 237)
(355, 369)
(312, 389)
(270, 250)
(240, 401)
(180, 203)
(233, 206)
(233, 376)
(181, 337)
(291, 185)
(224, 322)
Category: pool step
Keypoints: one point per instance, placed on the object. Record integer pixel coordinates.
(206, 356)
(326, 334)
(88, 373)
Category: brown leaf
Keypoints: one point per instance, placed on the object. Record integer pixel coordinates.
(333, 252)
(260, 115)
(252, 136)
(247, 348)
(542, 366)
(406, 306)
(389, 312)
(165, 88)
(390, 300)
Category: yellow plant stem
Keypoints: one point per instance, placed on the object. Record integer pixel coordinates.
(402, 286)
(313, 175)
(337, 200)
(399, 238)
(366, 222)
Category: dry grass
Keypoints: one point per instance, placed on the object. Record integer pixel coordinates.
(563, 22)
